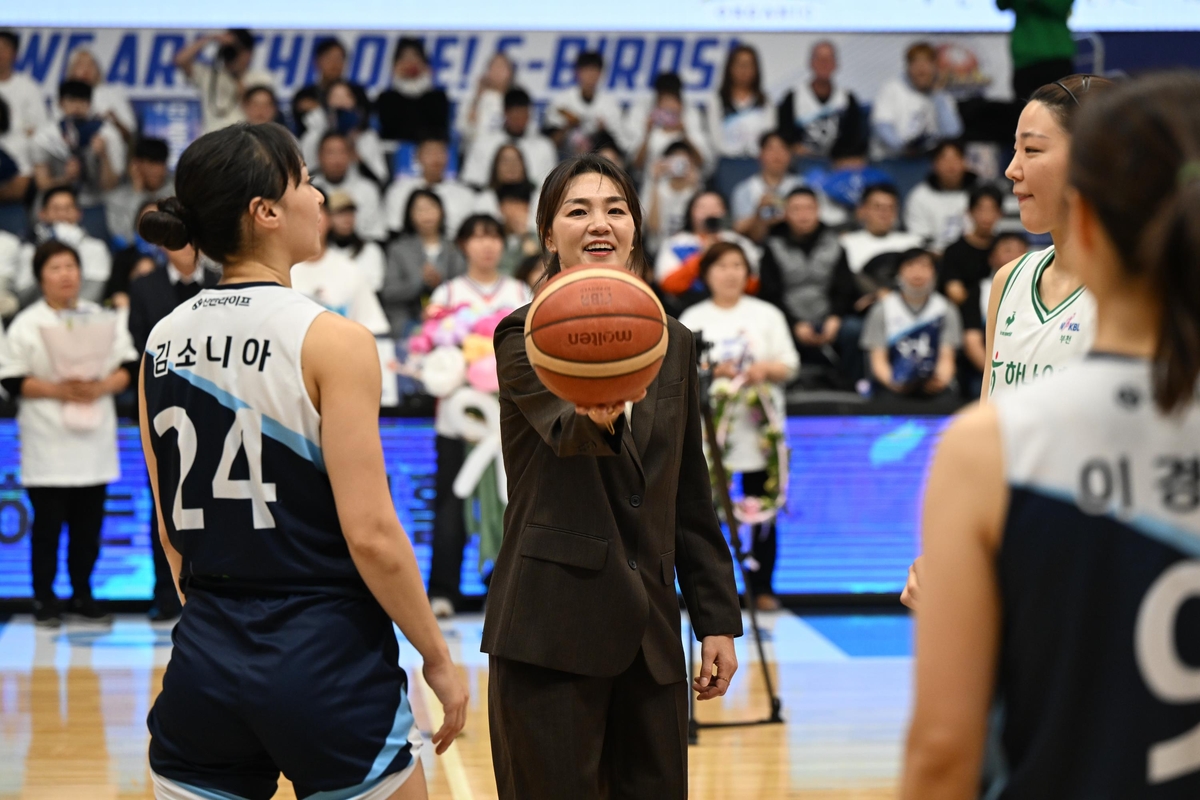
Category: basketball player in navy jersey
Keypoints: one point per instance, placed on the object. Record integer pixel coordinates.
(1062, 523)
(260, 430)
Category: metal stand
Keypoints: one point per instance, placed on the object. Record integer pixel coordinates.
(722, 487)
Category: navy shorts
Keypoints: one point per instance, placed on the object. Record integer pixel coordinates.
(309, 685)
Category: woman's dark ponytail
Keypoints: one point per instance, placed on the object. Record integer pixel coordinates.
(166, 226)
(1135, 158)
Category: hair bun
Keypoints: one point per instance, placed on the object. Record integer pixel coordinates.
(166, 226)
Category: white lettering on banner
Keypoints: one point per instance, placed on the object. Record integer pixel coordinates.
(142, 61)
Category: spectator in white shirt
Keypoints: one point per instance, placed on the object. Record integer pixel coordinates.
(538, 151)
(821, 119)
(80, 150)
(109, 101)
(578, 114)
(337, 171)
(345, 239)
(740, 113)
(10, 262)
(26, 104)
(508, 168)
(68, 432)
(16, 170)
(661, 120)
(222, 83)
(936, 208)
(914, 112)
(149, 179)
(335, 281)
(419, 260)
(676, 179)
(259, 105)
(482, 287)
(345, 113)
(485, 113)
(58, 220)
(433, 156)
(758, 202)
(873, 252)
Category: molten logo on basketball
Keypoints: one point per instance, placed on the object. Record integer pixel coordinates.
(590, 339)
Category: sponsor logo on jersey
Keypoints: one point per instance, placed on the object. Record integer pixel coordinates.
(1069, 324)
(1007, 323)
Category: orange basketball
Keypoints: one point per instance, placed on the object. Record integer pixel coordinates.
(596, 336)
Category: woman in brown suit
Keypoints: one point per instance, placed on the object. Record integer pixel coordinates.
(588, 693)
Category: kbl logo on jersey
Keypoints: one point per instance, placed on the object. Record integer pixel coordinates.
(1069, 325)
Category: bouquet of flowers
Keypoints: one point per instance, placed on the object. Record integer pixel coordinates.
(728, 395)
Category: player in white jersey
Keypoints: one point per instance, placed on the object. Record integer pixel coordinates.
(1062, 523)
(260, 430)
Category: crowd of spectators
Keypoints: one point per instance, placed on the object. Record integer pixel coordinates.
(818, 188)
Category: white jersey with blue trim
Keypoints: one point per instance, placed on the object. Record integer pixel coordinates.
(242, 482)
(1031, 340)
(1099, 572)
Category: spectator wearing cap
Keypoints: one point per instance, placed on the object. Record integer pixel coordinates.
(965, 262)
(538, 151)
(16, 170)
(936, 208)
(59, 220)
(658, 121)
(757, 202)
(581, 112)
(80, 151)
(337, 171)
(433, 157)
(413, 108)
(740, 113)
(329, 63)
(520, 240)
(109, 100)
(26, 104)
(344, 238)
(344, 114)
(485, 112)
(821, 119)
(260, 106)
(913, 113)
(149, 179)
(419, 260)
(222, 83)
(674, 182)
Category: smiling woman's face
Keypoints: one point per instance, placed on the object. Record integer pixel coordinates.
(1039, 169)
(593, 224)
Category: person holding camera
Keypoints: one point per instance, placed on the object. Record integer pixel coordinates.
(223, 83)
(758, 202)
(650, 129)
(674, 182)
(677, 267)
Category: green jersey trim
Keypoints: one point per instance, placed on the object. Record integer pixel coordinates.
(1044, 314)
(1008, 283)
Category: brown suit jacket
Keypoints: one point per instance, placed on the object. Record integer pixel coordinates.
(597, 525)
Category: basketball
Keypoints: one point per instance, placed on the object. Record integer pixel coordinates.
(596, 336)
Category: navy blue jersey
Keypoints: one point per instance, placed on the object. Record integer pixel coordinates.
(241, 479)
(1099, 575)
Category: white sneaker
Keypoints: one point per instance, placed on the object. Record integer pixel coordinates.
(442, 608)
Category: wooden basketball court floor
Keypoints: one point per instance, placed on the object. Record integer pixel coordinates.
(73, 705)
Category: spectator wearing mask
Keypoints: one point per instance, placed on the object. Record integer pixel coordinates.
(419, 260)
(674, 182)
(58, 220)
(538, 151)
(820, 119)
(662, 120)
(413, 108)
(68, 431)
(508, 167)
(109, 100)
(149, 179)
(520, 242)
(433, 156)
(936, 208)
(740, 114)
(344, 114)
(805, 275)
(329, 64)
(344, 238)
(1042, 46)
(259, 105)
(912, 113)
(222, 83)
(677, 266)
(337, 172)
(757, 202)
(485, 112)
(26, 105)
(750, 340)
(80, 151)
(578, 114)
(965, 262)
(335, 282)
(1006, 248)
(912, 334)
(872, 252)
(16, 170)
(134, 261)
(483, 289)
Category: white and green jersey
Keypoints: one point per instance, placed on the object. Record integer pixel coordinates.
(1030, 339)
